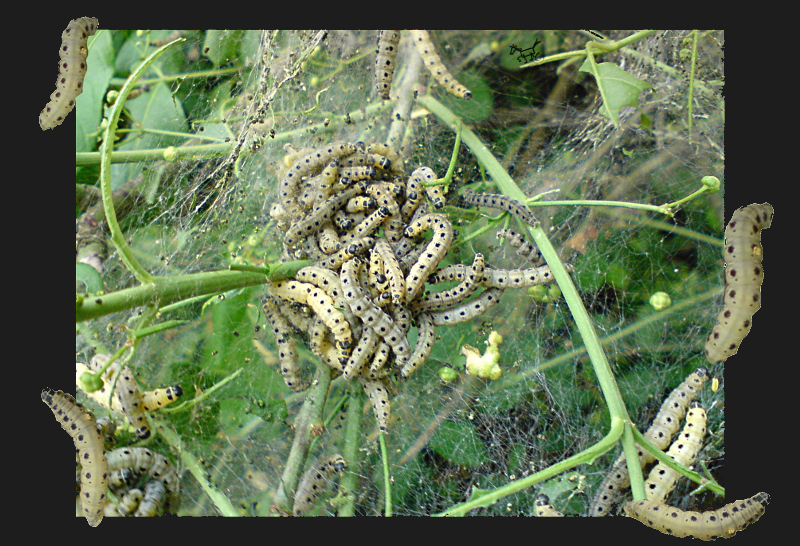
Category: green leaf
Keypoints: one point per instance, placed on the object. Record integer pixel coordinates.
(89, 105)
(88, 276)
(617, 87)
(459, 443)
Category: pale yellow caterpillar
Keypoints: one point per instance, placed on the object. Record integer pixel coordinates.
(546, 510)
(127, 398)
(314, 481)
(71, 71)
(82, 427)
(385, 59)
(320, 216)
(364, 349)
(435, 65)
(523, 247)
(414, 189)
(458, 294)
(743, 278)
(130, 466)
(378, 396)
(722, 523)
(350, 175)
(356, 247)
(151, 400)
(392, 270)
(127, 504)
(434, 253)
(368, 226)
(287, 354)
(684, 449)
(372, 316)
(500, 202)
(469, 310)
(320, 303)
(664, 427)
(426, 335)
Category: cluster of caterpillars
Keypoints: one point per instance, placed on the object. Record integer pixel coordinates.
(377, 238)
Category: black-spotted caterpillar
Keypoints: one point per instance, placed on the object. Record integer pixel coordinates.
(71, 71)
(314, 481)
(721, 523)
(82, 427)
(743, 278)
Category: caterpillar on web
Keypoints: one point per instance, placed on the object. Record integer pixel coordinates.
(436, 67)
(456, 295)
(82, 427)
(129, 467)
(287, 353)
(664, 427)
(523, 247)
(378, 396)
(469, 310)
(743, 278)
(722, 523)
(434, 253)
(314, 481)
(126, 392)
(684, 449)
(500, 202)
(151, 400)
(71, 72)
(385, 59)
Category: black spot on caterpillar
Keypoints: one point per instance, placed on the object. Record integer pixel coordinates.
(314, 481)
(82, 427)
(684, 449)
(364, 349)
(71, 71)
(500, 202)
(335, 261)
(456, 295)
(743, 278)
(385, 59)
(546, 510)
(664, 427)
(435, 65)
(722, 523)
(131, 467)
(128, 503)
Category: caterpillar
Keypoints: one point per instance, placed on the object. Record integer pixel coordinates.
(546, 510)
(378, 396)
(434, 253)
(335, 261)
(684, 449)
(368, 226)
(128, 503)
(372, 316)
(467, 311)
(392, 270)
(287, 354)
(386, 56)
(364, 349)
(151, 400)
(320, 216)
(743, 278)
(320, 303)
(664, 427)
(435, 65)
(71, 72)
(130, 466)
(523, 247)
(722, 523)
(458, 294)
(500, 202)
(126, 393)
(426, 335)
(82, 427)
(314, 481)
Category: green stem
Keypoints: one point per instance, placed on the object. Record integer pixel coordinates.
(348, 485)
(487, 498)
(605, 376)
(387, 476)
(192, 463)
(117, 236)
(164, 291)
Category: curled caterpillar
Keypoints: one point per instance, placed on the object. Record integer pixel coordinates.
(129, 467)
(664, 427)
(546, 510)
(434, 253)
(314, 481)
(435, 65)
(722, 523)
(743, 278)
(82, 427)
(71, 71)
